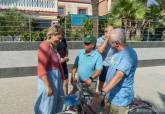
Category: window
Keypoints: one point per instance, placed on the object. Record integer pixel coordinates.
(82, 11)
(61, 10)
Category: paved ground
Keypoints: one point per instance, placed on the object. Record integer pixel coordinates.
(17, 94)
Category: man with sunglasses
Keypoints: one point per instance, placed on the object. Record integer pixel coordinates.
(88, 63)
(120, 75)
(104, 48)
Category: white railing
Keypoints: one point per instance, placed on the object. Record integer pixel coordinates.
(36, 5)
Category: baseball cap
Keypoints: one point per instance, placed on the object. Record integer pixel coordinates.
(89, 39)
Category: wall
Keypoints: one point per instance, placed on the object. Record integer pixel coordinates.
(20, 58)
(104, 7)
(72, 7)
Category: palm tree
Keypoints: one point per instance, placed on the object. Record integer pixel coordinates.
(127, 13)
(136, 17)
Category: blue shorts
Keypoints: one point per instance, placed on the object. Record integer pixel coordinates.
(102, 77)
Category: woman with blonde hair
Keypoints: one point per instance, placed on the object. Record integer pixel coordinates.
(50, 75)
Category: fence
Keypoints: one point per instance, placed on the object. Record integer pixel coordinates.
(26, 28)
(144, 30)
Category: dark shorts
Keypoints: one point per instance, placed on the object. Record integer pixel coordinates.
(102, 77)
(65, 72)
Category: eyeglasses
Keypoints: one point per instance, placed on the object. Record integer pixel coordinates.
(116, 42)
(113, 42)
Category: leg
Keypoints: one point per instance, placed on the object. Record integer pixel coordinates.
(65, 87)
(118, 109)
(65, 84)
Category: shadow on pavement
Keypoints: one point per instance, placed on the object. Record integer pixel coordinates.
(162, 98)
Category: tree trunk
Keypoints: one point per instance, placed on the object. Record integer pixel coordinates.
(95, 16)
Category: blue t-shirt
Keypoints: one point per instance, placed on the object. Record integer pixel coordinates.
(126, 61)
(108, 52)
(88, 64)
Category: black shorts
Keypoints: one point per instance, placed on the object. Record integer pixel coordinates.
(65, 72)
(102, 77)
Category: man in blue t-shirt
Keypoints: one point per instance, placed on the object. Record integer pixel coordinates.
(120, 75)
(88, 63)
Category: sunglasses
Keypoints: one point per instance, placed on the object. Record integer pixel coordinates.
(87, 43)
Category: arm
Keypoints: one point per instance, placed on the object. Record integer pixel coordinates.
(115, 80)
(47, 85)
(66, 58)
(74, 69)
(102, 47)
(122, 69)
(96, 74)
(43, 57)
(98, 67)
(93, 76)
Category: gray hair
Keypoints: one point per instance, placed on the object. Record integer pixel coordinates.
(119, 35)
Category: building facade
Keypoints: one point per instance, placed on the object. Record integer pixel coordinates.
(104, 7)
(74, 7)
(42, 9)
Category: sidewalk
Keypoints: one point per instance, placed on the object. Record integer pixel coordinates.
(17, 95)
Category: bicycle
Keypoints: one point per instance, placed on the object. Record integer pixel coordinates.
(79, 102)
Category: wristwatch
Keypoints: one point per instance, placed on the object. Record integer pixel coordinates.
(91, 78)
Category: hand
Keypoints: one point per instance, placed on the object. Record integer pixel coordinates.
(66, 59)
(107, 36)
(105, 89)
(88, 82)
(104, 86)
(49, 90)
